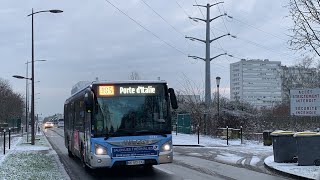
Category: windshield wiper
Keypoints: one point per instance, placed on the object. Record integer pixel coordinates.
(119, 132)
(150, 132)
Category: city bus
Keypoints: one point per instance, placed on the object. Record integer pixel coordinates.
(120, 123)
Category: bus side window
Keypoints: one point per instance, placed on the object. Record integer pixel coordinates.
(99, 125)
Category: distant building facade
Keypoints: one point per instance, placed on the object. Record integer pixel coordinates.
(256, 81)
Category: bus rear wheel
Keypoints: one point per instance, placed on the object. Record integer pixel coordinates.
(70, 153)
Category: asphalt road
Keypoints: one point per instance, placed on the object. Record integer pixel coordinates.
(183, 168)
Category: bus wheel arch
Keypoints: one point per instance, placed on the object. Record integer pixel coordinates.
(69, 151)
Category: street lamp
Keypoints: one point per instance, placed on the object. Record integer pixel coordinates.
(218, 84)
(27, 93)
(21, 77)
(32, 77)
(27, 103)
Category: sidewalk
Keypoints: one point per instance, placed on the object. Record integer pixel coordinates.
(26, 161)
(309, 172)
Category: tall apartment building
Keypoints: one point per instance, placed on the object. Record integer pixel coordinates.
(257, 82)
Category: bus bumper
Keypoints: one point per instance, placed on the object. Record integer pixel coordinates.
(100, 161)
(165, 157)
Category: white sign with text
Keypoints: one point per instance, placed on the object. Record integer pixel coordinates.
(305, 102)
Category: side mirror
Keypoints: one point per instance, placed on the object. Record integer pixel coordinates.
(173, 99)
(88, 100)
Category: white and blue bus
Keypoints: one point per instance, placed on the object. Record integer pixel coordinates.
(111, 124)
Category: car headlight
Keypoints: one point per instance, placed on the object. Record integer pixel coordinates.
(167, 146)
(100, 150)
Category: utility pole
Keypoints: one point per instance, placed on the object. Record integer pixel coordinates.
(207, 42)
(208, 59)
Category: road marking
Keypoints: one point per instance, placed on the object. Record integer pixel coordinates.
(164, 170)
(254, 160)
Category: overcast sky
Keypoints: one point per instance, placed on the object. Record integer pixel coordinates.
(92, 38)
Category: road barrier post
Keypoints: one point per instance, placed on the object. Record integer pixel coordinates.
(241, 135)
(9, 137)
(198, 127)
(4, 141)
(176, 128)
(227, 135)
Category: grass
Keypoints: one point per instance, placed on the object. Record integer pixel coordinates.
(29, 165)
(26, 163)
(39, 141)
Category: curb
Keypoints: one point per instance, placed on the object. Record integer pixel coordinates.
(286, 174)
(195, 145)
(56, 156)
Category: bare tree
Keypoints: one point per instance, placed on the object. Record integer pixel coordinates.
(11, 104)
(306, 17)
(134, 75)
(190, 101)
(302, 75)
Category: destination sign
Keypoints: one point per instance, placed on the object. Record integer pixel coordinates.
(130, 90)
(106, 90)
(138, 90)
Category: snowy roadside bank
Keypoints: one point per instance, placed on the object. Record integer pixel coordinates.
(236, 153)
(26, 161)
(310, 172)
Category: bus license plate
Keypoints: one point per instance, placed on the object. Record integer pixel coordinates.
(135, 162)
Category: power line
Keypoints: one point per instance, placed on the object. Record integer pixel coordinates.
(163, 18)
(147, 29)
(247, 24)
(185, 12)
(210, 27)
(222, 18)
(264, 19)
(264, 47)
(212, 31)
(199, 8)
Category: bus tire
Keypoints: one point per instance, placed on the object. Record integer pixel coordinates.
(84, 165)
(70, 153)
(148, 166)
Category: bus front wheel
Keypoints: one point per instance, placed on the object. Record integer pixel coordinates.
(148, 166)
(86, 167)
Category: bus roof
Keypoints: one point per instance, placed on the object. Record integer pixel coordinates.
(86, 85)
(130, 82)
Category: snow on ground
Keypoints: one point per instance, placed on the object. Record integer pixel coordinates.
(254, 160)
(310, 172)
(233, 153)
(228, 158)
(192, 139)
(26, 161)
(254, 147)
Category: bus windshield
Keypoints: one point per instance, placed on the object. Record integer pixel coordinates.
(132, 115)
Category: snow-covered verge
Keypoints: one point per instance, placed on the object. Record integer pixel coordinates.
(254, 147)
(310, 172)
(26, 161)
(235, 152)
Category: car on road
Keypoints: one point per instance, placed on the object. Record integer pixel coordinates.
(61, 123)
(48, 125)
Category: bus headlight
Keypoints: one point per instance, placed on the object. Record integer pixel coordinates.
(100, 150)
(167, 146)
